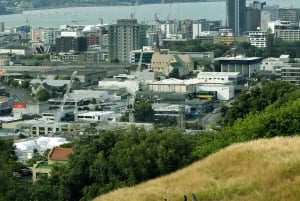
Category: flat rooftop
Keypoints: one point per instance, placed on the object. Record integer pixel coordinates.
(43, 165)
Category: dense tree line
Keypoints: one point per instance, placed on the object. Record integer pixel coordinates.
(122, 158)
(244, 48)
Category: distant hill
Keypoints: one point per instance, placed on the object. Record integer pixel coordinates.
(63, 3)
(261, 170)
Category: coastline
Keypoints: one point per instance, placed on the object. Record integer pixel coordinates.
(18, 11)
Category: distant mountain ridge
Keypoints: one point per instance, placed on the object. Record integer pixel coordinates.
(65, 3)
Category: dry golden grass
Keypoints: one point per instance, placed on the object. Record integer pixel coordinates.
(261, 170)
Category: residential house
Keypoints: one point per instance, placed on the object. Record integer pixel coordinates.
(57, 155)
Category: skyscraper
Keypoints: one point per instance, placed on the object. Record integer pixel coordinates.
(253, 15)
(236, 14)
(125, 36)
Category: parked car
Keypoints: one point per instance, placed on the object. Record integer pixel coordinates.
(215, 111)
(24, 172)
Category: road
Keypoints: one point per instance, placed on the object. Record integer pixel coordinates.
(210, 120)
(21, 95)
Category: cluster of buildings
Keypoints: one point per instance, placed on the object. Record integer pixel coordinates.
(78, 44)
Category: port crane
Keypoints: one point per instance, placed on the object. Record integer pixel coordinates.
(131, 99)
(69, 86)
(66, 96)
(132, 15)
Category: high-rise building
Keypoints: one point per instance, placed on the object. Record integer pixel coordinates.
(268, 14)
(2, 26)
(253, 15)
(289, 14)
(71, 42)
(236, 14)
(48, 36)
(125, 36)
(200, 26)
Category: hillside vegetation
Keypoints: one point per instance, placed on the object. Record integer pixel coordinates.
(111, 160)
(267, 169)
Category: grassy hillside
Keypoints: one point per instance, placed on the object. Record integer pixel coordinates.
(261, 170)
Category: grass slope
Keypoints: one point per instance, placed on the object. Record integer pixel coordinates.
(261, 170)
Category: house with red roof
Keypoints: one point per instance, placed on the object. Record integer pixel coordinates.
(58, 155)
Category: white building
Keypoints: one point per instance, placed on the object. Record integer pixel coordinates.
(173, 85)
(96, 116)
(258, 38)
(271, 64)
(223, 76)
(198, 27)
(169, 27)
(49, 35)
(45, 35)
(224, 89)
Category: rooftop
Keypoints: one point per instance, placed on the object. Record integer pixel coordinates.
(60, 154)
(43, 165)
(239, 58)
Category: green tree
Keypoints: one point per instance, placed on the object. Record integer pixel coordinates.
(117, 159)
(25, 84)
(143, 111)
(114, 60)
(42, 95)
(257, 99)
(14, 83)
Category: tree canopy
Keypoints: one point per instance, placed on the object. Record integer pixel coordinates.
(42, 95)
(257, 99)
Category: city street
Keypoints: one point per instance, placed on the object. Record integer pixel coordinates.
(21, 95)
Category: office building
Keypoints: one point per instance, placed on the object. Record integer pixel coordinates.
(71, 41)
(200, 26)
(236, 16)
(253, 17)
(258, 38)
(125, 36)
(287, 31)
(289, 14)
(289, 74)
(247, 66)
(268, 14)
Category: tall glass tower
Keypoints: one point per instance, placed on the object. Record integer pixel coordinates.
(236, 16)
